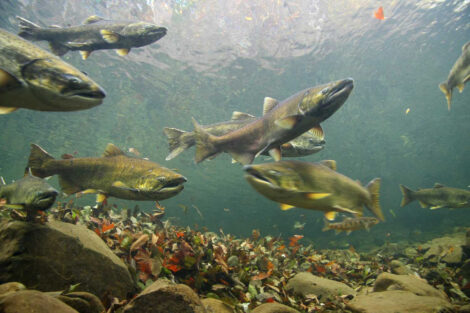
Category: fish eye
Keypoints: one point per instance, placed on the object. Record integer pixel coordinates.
(324, 91)
(73, 81)
(161, 178)
(273, 172)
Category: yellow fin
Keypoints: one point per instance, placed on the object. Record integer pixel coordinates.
(269, 104)
(286, 207)
(422, 204)
(436, 207)
(109, 36)
(317, 195)
(331, 215)
(85, 54)
(119, 184)
(7, 110)
(447, 92)
(88, 191)
(329, 163)
(123, 52)
(100, 198)
(111, 150)
(317, 131)
(241, 116)
(92, 19)
(275, 153)
(234, 161)
(460, 87)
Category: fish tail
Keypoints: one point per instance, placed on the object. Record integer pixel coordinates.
(205, 143)
(37, 161)
(447, 92)
(374, 191)
(28, 29)
(176, 142)
(408, 195)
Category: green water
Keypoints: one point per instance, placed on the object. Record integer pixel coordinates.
(222, 56)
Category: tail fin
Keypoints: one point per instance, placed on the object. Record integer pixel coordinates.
(447, 92)
(374, 190)
(407, 195)
(37, 161)
(176, 142)
(205, 146)
(28, 29)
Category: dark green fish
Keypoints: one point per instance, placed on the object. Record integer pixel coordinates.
(308, 143)
(438, 197)
(95, 33)
(285, 121)
(35, 79)
(459, 74)
(115, 174)
(29, 193)
(316, 186)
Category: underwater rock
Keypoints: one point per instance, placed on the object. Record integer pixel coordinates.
(11, 287)
(83, 302)
(465, 272)
(411, 252)
(56, 255)
(464, 309)
(446, 249)
(233, 261)
(419, 287)
(398, 301)
(306, 283)
(29, 301)
(274, 308)
(216, 306)
(399, 268)
(164, 296)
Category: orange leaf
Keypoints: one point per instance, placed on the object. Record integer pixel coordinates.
(97, 231)
(379, 14)
(105, 228)
(173, 267)
(179, 234)
(293, 240)
(261, 276)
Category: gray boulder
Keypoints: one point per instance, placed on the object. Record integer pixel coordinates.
(398, 301)
(274, 308)
(32, 301)
(56, 255)
(306, 283)
(216, 306)
(163, 296)
(83, 302)
(418, 286)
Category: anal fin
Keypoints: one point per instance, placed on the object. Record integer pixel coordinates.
(331, 215)
(286, 207)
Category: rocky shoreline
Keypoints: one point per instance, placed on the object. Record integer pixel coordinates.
(88, 260)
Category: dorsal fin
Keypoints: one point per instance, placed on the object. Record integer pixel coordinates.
(269, 104)
(92, 19)
(329, 163)
(437, 185)
(111, 150)
(317, 131)
(241, 116)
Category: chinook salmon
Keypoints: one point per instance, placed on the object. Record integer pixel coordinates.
(29, 193)
(459, 74)
(283, 122)
(114, 175)
(308, 143)
(33, 78)
(438, 197)
(350, 224)
(95, 33)
(316, 186)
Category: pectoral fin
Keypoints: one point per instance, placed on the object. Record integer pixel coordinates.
(346, 210)
(109, 36)
(57, 48)
(275, 153)
(286, 207)
(316, 195)
(243, 158)
(436, 207)
(422, 204)
(7, 110)
(288, 122)
(120, 185)
(8, 81)
(68, 186)
(85, 54)
(460, 87)
(123, 52)
(331, 215)
(101, 198)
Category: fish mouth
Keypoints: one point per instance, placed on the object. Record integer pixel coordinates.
(45, 199)
(174, 185)
(94, 95)
(253, 175)
(342, 90)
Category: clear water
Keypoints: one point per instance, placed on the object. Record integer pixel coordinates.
(221, 56)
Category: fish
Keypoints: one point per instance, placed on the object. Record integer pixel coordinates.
(95, 33)
(299, 225)
(437, 197)
(113, 175)
(315, 186)
(458, 75)
(350, 224)
(30, 193)
(282, 122)
(32, 78)
(308, 143)
(379, 14)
